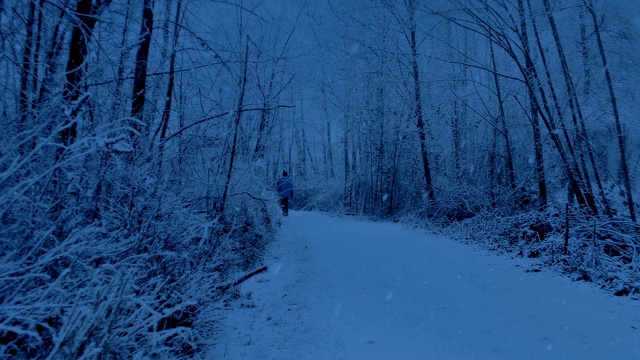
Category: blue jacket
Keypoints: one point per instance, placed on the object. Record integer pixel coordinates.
(285, 187)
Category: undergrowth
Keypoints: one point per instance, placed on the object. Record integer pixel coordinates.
(598, 249)
(104, 259)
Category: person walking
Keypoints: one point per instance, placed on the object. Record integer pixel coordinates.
(285, 190)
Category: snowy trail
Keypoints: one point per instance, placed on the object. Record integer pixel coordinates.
(340, 288)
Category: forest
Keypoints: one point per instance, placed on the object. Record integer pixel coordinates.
(142, 140)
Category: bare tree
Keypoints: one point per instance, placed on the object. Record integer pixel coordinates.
(502, 121)
(85, 18)
(537, 137)
(574, 105)
(236, 126)
(616, 114)
(26, 73)
(140, 77)
(418, 113)
(166, 113)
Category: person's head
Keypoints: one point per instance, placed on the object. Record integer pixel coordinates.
(285, 174)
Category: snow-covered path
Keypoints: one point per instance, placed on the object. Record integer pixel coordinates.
(341, 288)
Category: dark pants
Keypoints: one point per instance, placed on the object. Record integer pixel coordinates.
(284, 204)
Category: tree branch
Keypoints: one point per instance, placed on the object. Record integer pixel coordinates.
(219, 116)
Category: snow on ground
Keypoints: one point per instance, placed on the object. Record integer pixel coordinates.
(342, 288)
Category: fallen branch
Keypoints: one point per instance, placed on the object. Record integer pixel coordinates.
(251, 196)
(242, 279)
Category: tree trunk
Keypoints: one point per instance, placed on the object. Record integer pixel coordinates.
(574, 105)
(584, 51)
(569, 155)
(267, 98)
(380, 181)
(36, 52)
(559, 124)
(140, 76)
(537, 137)
(503, 123)
(330, 150)
(85, 13)
(307, 153)
(347, 191)
(570, 164)
(26, 71)
(456, 134)
(166, 113)
(259, 150)
(53, 52)
(301, 154)
(394, 169)
(234, 145)
(532, 82)
(418, 104)
(117, 101)
(493, 179)
(616, 114)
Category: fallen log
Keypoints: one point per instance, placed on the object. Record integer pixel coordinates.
(242, 279)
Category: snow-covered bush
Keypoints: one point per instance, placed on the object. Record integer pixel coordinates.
(591, 248)
(100, 257)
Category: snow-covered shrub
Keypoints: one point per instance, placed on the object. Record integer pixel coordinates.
(101, 257)
(592, 248)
